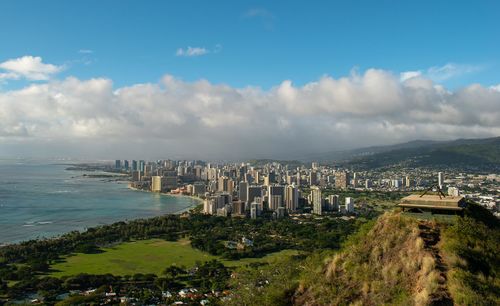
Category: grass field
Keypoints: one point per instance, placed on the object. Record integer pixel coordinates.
(145, 256)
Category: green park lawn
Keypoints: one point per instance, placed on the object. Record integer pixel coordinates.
(144, 256)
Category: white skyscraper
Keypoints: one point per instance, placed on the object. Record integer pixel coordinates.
(349, 204)
(291, 198)
(440, 180)
(317, 200)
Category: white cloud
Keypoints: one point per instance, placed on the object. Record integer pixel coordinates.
(29, 67)
(450, 70)
(442, 73)
(173, 118)
(191, 51)
(85, 51)
(496, 87)
(409, 75)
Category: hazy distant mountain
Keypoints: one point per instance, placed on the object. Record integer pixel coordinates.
(461, 153)
(345, 155)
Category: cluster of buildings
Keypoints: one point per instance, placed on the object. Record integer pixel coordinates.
(242, 189)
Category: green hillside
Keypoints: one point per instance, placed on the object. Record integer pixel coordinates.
(394, 260)
(480, 153)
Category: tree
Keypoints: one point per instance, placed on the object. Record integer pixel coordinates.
(173, 271)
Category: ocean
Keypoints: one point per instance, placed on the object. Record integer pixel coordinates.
(40, 199)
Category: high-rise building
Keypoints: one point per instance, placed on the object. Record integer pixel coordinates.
(197, 171)
(181, 171)
(243, 191)
(148, 170)
(125, 162)
(253, 192)
(349, 204)
(156, 183)
(210, 205)
(241, 172)
(259, 201)
(341, 179)
(313, 178)
(440, 180)
(224, 199)
(276, 190)
(225, 184)
(142, 164)
(333, 202)
(275, 202)
(248, 178)
(199, 189)
(407, 182)
(267, 182)
(368, 184)
(212, 174)
(212, 186)
(169, 182)
(238, 207)
(134, 165)
(254, 210)
(136, 176)
(291, 198)
(118, 164)
(396, 183)
(317, 200)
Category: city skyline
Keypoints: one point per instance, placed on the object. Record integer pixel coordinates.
(243, 80)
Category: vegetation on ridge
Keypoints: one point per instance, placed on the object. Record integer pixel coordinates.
(394, 260)
(385, 263)
(472, 251)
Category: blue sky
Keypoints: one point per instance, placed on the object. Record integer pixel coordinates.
(254, 43)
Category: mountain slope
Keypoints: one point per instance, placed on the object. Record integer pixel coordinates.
(393, 260)
(471, 248)
(405, 261)
(464, 153)
(389, 264)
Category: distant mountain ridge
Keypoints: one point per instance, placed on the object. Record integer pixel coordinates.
(461, 153)
(484, 152)
(344, 155)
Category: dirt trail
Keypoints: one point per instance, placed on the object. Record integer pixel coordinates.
(431, 235)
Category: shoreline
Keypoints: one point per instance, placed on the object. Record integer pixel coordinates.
(181, 211)
(167, 194)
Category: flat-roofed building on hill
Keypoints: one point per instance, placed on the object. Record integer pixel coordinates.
(433, 203)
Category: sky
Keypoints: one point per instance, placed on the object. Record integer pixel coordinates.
(243, 79)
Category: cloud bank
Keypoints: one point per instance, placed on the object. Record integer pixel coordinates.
(178, 119)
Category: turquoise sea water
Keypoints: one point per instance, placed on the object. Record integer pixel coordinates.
(42, 199)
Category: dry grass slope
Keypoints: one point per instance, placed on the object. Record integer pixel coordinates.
(388, 264)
